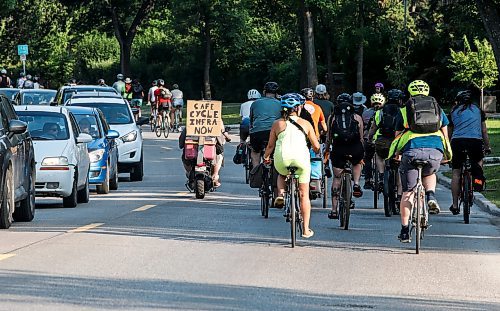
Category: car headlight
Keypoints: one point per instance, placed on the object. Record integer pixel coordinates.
(96, 155)
(55, 161)
(129, 137)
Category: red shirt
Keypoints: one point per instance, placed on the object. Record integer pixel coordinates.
(159, 98)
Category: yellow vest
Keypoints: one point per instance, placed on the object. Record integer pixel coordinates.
(404, 137)
(377, 119)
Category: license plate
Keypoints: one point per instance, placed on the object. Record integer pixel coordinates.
(199, 169)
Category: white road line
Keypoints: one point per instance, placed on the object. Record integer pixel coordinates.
(85, 228)
(5, 256)
(144, 208)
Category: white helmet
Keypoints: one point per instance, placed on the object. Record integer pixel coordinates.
(253, 94)
(4, 72)
(321, 89)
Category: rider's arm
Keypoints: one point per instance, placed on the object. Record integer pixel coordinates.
(361, 126)
(372, 131)
(312, 137)
(272, 141)
(486, 138)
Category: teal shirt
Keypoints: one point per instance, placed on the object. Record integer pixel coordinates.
(263, 112)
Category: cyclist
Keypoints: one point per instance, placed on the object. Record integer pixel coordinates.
(322, 100)
(288, 140)
(469, 137)
(101, 82)
(152, 99)
(137, 95)
(345, 139)
(178, 102)
(252, 96)
(119, 85)
(316, 112)
(359, 100)
(263, 112)
(4, 79)
(415, 142)
(28, 83)
(163, 100)
(20, 80)
(379, 88)
(128, 90)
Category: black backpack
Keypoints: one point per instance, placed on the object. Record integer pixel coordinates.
(423, 114)
(345, 129)
(388, 116)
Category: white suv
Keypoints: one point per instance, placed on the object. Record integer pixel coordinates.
(120, 118)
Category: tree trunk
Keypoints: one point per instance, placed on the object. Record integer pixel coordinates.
(125, 53)
(360, 54)
(490, 13)
(329, 64)
(208, 59)
(310, 51)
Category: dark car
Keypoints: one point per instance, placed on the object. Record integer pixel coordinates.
(17, 171)
(67, 91)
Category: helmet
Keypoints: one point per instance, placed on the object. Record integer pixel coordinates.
(253, 94)
(271, 87)
(358, 99)
(418, 87)
(344, 98)
(175, 86)
(155, 82)
(29, 77)
(463, 97)
(73, 81)
(100, 81)
(21, 74)
(320, 89)
(379, 84)
(395, 94)
(161, 82)
(4, 72)
(128, 80)
(291, 100)
(308, 93)
(377, 98)
(119, 76)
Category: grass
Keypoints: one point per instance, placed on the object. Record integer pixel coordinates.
(492, 192)
(494, 134)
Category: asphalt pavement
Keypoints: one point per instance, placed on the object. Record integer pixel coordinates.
(152, 246)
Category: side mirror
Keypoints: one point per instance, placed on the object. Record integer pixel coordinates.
(84, 138)
(112, 134)
(142, 121)
(17, 126)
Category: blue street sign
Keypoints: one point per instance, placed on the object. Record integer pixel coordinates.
(22, 49)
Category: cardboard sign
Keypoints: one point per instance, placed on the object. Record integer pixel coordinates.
(204, 118)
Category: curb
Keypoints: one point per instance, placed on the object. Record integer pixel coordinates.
(479, 199)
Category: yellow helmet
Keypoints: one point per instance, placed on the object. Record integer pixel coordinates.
(418, 87)
(377, 98)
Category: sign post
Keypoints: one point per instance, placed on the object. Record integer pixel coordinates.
(22, 51)
(204, 118)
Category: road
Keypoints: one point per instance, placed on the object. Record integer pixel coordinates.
(151, 245)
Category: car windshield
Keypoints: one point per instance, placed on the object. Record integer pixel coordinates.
(45, 125)
(88, 124)
(68, 93)
(37, 98)
(10, 93)
(114, 113)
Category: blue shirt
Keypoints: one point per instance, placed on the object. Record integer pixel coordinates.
(432, 141)
(467, 122)
(263, 112)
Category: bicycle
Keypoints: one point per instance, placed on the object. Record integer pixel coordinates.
(177, 119)
(266, 192)
(376, 189)
(292, 204)
(154, 119)
(164, 125)
(345, 198)
(391, 202)
(248, 163)
(466, 197)
(319, 188)
(419, 214)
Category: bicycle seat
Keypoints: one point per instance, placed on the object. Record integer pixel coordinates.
(420, 163)
(292, 169)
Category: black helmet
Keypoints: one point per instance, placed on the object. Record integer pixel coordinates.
(161, 82)
(344, 98)
(463, 97)
(395, 95)
(308, 93)
(100, 81)
(271, 87)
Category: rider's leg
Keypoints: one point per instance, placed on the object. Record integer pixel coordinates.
(281, 186)
(455, 187)
(335, 188)
(305, 205)
(217, 167)
(356, 173)
(405, 207)
(380, 164)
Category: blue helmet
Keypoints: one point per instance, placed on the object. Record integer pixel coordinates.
(291, 100)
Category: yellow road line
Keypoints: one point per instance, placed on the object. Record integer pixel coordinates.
(144, 208)
(5, 256)
(85, 228)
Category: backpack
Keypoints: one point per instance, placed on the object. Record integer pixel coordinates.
(28, 84)
(345, 128)
(423, 114)
(137, 88)
(255, 176)
(165, 93)
(240, 155)
(387, 122)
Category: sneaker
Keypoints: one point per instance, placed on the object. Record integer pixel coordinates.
(432, 204)
(356, 191)
(279, 202)
(368, 184)
(454, 211)
(404, 235)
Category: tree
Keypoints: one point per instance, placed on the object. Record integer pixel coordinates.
(476, 67)
(308, 50)
(490, 14)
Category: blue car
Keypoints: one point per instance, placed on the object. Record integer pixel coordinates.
(103, 151)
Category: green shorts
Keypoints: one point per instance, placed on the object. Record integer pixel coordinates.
(303, 167)
(136, 103)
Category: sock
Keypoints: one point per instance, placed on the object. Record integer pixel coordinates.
(405, 228)
(429, 192)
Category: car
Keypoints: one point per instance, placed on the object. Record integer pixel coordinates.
(62, 158)
(103, 151)
(9, 92)
(119, 116)
(67, 91)
(95, 94)
(34, 97)
(17, 170)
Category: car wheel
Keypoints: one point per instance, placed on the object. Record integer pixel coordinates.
(84, 194)
(71, 200)
(7, 205)
(26, 209)
(104, 187)
(113, 183)
(138, 173)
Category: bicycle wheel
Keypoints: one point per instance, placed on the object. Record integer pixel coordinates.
(467, 200)
(347, 194)
(375, 187)
(158, 129)
(325, 192)
(418, 221)
(389, 199)
(266, 195)
(247, 166)
(293, 226)
(152, 123)
(166, 130)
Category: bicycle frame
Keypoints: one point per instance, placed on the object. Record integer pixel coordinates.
(419, 213)
(292, 210)
(466, 197)
(345, 196)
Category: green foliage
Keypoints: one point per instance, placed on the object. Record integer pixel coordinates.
(475, 66)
